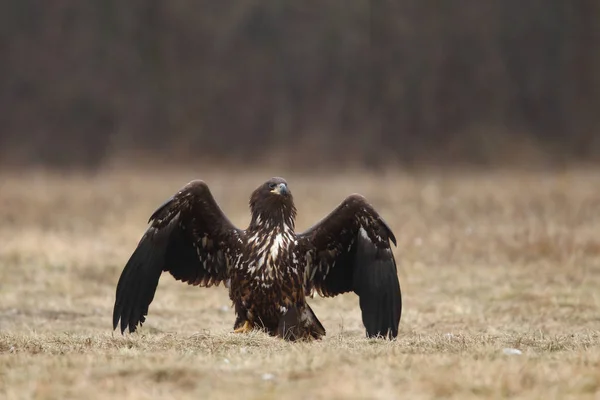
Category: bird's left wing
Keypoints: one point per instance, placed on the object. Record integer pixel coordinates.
(349, 250)
(190, 237)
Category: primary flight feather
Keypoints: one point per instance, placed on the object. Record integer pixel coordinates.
(268, 267)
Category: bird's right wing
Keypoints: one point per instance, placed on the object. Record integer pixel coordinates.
(191, 238)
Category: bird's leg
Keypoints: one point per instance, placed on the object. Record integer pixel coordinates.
(247, 327)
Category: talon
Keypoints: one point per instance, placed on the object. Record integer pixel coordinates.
(247, 327)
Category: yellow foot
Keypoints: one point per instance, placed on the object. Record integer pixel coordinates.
(247, 327)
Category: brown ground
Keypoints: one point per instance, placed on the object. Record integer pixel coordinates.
(488, 262)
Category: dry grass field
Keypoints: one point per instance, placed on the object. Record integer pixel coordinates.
(488, 262)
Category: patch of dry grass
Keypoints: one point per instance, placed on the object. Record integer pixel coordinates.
(488, 261)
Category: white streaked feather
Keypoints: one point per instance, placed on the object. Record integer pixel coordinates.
(363, 233)
(277, 244)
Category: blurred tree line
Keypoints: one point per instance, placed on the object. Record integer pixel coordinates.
(478, 81)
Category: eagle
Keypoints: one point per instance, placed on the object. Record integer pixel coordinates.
(269, 269)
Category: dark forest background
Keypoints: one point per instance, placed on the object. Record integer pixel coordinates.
(328, 82)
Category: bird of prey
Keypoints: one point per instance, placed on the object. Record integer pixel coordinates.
(270, 269)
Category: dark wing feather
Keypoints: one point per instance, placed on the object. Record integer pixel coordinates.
(349, 250)
(189, 237)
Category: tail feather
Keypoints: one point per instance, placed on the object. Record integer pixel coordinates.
(298, 324)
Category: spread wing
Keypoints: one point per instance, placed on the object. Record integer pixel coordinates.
(189, 237)
(349, 250)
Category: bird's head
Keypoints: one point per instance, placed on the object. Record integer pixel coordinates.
(275, 189)
(277, 186)
(272, 203)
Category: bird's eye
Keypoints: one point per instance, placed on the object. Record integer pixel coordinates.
(272, 185)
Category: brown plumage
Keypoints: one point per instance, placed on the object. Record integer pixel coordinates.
(268, 268)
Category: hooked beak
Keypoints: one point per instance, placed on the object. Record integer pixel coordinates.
(280, 189)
